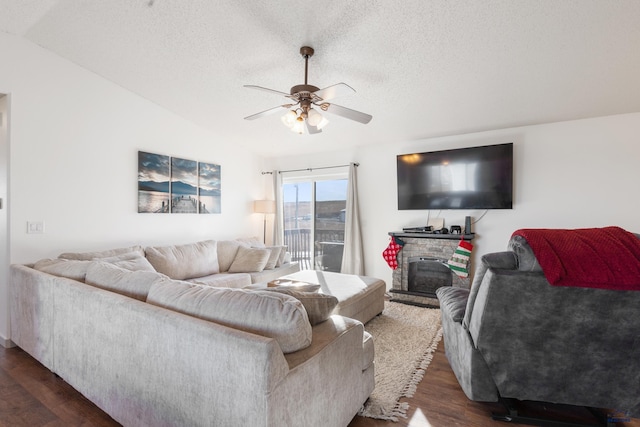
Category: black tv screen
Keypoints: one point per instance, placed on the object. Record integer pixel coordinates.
(465, 178)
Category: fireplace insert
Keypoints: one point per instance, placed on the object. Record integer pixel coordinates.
(426, 274)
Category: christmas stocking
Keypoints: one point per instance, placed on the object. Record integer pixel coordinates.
(390, 254)
(459, 262)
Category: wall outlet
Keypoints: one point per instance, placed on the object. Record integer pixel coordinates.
(35, 227)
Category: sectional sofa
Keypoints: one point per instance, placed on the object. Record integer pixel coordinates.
(168, 336)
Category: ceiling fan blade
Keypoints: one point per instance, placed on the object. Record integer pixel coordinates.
(268, 112)
(264, 89)
(346, 112)
(330, 92)
(311, 129)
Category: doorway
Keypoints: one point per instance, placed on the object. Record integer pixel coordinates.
(314, 221)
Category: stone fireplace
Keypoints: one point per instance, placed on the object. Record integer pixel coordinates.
(426, 274)
(422, 267)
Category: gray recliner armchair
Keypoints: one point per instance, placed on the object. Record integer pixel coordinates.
(515, 336)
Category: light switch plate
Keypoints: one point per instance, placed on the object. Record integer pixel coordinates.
(35, 227)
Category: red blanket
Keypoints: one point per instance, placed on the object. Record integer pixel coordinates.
(607, 258)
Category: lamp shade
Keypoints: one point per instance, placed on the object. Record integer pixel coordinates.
(264, 206)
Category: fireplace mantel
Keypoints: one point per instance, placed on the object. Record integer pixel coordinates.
(401, 234)
(439, 246)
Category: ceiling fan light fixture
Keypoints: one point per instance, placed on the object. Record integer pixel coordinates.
(322, 123)
(298, 126)
(304, 118)
(314, 118)
(289, 119)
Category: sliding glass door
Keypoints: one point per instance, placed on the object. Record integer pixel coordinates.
(330, 209)
(314, 214)
(297, 199)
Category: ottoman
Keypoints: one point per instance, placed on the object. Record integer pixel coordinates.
(359, 297)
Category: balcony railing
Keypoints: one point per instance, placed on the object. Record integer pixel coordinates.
(299, 245)
(298, 242)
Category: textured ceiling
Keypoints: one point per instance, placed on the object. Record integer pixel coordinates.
(422, 68)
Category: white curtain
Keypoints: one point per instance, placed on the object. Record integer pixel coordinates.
(278, 223)
(353, 257)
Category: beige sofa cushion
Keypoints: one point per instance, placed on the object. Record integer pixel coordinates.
(134, 284)
(185, 261)
(224, 280)
(77, 269)
(281, 258)
(268, 314)
(69, 268)
(102, 254)
(132, 261)
(249, 260)
(274, 256)
(227, 250)
(318, 306)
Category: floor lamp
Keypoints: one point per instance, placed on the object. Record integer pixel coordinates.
(264, 207)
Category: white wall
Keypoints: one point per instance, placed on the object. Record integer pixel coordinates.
(4, 235)
(73, 162)
(573, 174)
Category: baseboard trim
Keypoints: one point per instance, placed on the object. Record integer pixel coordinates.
(6, 342)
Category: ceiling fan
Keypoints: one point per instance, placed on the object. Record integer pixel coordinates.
(301, 116)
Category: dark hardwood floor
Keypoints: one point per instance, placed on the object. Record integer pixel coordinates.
(440, 402)
(30, 395)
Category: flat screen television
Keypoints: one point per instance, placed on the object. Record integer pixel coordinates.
(465, 178)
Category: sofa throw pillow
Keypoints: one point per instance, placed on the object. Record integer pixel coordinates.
(227, 251)
(249, 260)
(134, 284)
(281, 258)
(102, 254)
(70, 268)
(274, 256)
(318, 306)
(185, 261)
(269, 314)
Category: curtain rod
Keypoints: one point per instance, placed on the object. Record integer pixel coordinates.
(311, 169)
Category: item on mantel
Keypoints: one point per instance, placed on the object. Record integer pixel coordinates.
(459, 262)
(435, 223)
(390, 254)
(467, 225)
(427, 229)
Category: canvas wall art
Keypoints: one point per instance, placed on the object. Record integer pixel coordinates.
(209, 188)
(175, 185)
(154, 175)
(184, 186)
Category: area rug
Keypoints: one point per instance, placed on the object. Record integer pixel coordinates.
(405, 338)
